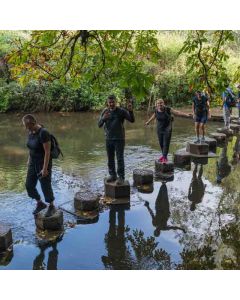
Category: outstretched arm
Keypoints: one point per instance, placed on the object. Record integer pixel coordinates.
(150, 120)
(128, 114)
(149, 209)
(179, 113)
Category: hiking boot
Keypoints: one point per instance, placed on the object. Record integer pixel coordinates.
(120, 181)
(40, 206)
(197, 141)
(111, 178)
(51, 210)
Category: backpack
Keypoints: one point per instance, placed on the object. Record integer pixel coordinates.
(230, 99)
(55, 149)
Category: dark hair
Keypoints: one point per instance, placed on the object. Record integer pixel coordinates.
(29, 119)
(112, 97)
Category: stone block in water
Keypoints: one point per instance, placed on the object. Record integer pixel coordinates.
(182, 158)
(219, 137)
(235, 128)
(197, 149)
(163, 167)
(6, 240)
(236, 121)
(212, 144)
(145, 188)
(164, 177)
(228, 132)
(115, 191)
(86, 201)
(200, 160)
(142, 177)
(55, 222)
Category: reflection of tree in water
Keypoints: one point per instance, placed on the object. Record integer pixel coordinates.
(223, 166)
(127, 250)
(160, 219)
(38, 263)
(197, 187)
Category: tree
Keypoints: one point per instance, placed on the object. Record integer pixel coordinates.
(206, 57)
(102, 59)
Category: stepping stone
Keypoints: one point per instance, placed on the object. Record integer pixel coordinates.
(164, 177)
(235, 128)
(197, 149)
(87, 217)
(163, 168)
(200, 160)
(55, 222)
(115, 191)
(142, 176)
(228, 132)
(212, 144)
(6, 240)
(236, 122)
(145, 188)
(86, 201)
(182, 158)
(219, 137)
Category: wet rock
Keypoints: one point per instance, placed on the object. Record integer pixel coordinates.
(145, 188)
(228, 132)
(55, 222)
(86, 201)
(6, 240)
(163, 168)
(142, 177)
(182, 158)
(115, 191)
(197, 149)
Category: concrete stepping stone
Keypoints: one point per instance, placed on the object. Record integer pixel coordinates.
(142, 177)
(197, 149)
(55, 222)
(228, 132)
(163, 167)
(145, 188)
(182, 158)
(6, 240)
(235, 128)
(86, 201)
(116, 191)
(219, 137)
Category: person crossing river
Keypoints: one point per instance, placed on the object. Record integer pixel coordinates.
(163, 115)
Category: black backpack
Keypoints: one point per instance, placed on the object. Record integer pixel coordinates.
(230, 99)
(55, 149)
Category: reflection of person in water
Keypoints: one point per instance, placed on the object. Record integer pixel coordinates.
(162, 212)
(116, 241)
(236, 150)
(38, 263)
(223, 166)
(197, 187)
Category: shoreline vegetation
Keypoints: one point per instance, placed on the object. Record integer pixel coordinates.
(74, 71)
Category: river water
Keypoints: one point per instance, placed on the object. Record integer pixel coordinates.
(191, 222)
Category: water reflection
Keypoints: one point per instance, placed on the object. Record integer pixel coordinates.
(223, 166)
(52, 262)
(160, 219)
(197, 187)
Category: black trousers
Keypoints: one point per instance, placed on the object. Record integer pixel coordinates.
(116, 147)
(164, 138)
(34, 168)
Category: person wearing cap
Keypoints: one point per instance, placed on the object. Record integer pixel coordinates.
(201, 113)
(112, 119)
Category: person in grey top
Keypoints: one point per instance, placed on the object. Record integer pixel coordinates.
(112, 119)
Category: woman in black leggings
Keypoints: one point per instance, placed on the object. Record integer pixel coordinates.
(163, 115)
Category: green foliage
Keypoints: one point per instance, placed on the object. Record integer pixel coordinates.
(206, 59)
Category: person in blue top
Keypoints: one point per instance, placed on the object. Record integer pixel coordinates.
(228, 98)
(201, 113)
